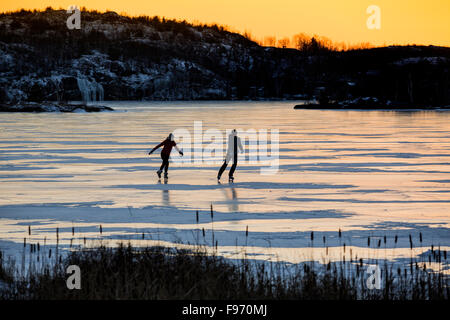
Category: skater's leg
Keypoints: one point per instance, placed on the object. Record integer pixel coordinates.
(161, 167)
(167, 166)
(235, 160)
(222, 169)
(165, 163)
(233, 168)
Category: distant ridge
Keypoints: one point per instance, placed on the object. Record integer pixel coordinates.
(148, 58)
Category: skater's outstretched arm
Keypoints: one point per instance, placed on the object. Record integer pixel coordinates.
(179, 151)
(240, 145)
(158, 146)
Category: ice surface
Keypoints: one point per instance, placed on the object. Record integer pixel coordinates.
(368, 173)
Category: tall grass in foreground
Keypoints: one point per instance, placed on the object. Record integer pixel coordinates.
(171, 273)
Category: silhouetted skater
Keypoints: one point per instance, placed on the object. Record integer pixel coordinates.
(167, 145)
(234, 142)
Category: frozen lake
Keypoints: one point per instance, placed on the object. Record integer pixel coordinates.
(369, 173)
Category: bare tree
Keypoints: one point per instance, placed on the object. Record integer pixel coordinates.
(284, 43)
(270, 41)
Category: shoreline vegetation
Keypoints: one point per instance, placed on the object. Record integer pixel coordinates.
(161, 273)
(158, 272)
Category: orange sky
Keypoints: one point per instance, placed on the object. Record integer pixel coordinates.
(402, 21)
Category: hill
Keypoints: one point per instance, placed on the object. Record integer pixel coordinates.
(116, 57)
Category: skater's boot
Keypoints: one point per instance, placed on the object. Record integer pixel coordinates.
(230, 179)
(159, 173)
(166, 175)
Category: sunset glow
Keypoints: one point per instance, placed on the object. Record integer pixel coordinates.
(402, 21)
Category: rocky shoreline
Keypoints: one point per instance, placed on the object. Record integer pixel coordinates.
(367, 103)
(52, 107)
